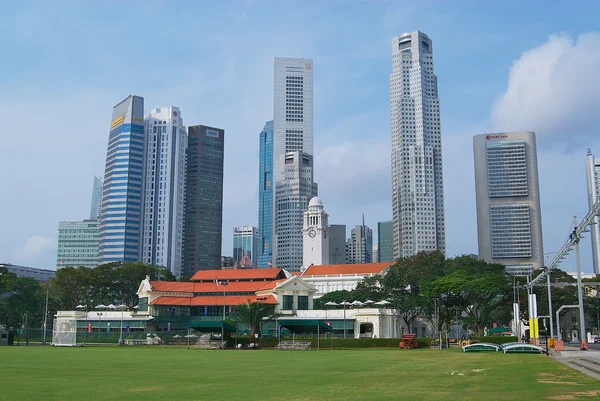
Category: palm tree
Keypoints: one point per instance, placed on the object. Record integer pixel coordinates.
(252, 314)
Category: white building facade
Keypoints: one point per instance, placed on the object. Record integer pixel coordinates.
(593, 190)
(315, 233)
(293, 193)
(417, 182)
(509, 221)
(164, 188)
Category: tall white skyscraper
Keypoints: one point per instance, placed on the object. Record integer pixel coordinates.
(96, 198)
(417, 183)
(292, 157)
(164, 188)
(293, 193)
(593, 186)
(509, 221)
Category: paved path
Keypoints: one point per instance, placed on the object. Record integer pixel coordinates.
(587, 362)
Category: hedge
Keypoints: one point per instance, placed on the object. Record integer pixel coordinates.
(339, 343)
(497, 339)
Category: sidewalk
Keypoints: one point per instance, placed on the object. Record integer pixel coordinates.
(586, 362)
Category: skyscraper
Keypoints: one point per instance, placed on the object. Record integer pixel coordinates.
(337, 244)
(203, 215)
(294, 191)
(360, 245)
(166, 144)
(509, 222)
(266, 183)
(96, 198)
(593, 186)
(417, 185)
(245, 245)
(121, 210)
(385, 241)
(77, 244)
(293, 151)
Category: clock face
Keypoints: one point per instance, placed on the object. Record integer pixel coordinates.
(312, 233)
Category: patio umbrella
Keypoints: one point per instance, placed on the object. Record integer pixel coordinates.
(357, 303)
(384, 302)
(331, 303)
(368, 301)
(136, 307)
(176, 336)
(191, 336)
(121, 306)
(79, 306)
(111, 306)
(101, 306)
(346, 303)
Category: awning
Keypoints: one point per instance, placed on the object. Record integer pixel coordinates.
(208, 326)
(304, 325)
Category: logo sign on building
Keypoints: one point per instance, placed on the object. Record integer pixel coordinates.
(212, 133)
(117, 122)
(127, 327)
(492, 137)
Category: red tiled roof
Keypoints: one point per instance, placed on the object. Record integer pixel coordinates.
(171, 286)
(365, 268)
(207, 287)
(213, 300)
(241, 274)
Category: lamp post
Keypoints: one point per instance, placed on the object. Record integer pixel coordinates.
(582, 335)
(122, 306)
(46, 315)
(224, 284)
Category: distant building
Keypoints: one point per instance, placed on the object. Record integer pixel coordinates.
(166, 144)
(360, 245)
(227, 262)
(375, 254)
(593, 186)
(78, 243)
(385, 241)
(266, 181)
(121, 210)
(331, 278)
(245, 246)
(24, 271)
(96, 198)
(337, 244)
(509, 220)
(203, 215)
(293, 192)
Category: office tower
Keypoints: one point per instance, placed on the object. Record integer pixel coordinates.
(294, 191)
(375, 254)
(166, 144)
(315, 238)
(77, 244)
(203, 213)
(417, 185)
(509, 222)
(96, 198)
(245, 245)
(593, 186)
(337, 244)
(266, 184)
(121, 210)
(385, 241)
(360, 245)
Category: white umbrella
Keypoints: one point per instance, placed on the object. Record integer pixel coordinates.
(346, 303)
(357, 303)
(101, 306)
(368, 301)
(191, 336)
(111, 306)
(331, 303)
(176, 336)
(384, 302)
(136, 307)
(79, 306)
(122, 306)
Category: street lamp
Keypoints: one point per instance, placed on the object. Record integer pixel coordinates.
(224, 284)
(121, 329)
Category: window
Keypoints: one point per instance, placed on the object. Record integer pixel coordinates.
(302, 302)
(143, 305)
(288, 302)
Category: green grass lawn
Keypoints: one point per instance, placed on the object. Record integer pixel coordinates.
(163, 373)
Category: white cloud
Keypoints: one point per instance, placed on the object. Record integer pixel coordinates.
(554, 90)
(34, 247)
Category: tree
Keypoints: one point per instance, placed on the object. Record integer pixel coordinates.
(252, 314)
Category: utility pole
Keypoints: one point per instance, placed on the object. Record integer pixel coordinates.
(46, 315)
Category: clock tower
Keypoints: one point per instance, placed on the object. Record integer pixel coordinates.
(314, 233)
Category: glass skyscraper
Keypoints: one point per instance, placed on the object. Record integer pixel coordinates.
(77, 244)
(96, 198)
(245, 245)
(203, 212)
(121, 210)
(385, 241)
(265, 197)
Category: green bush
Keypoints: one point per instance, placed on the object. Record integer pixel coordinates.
(340, 343)
(496, 339)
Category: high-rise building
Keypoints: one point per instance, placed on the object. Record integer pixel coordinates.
(96, 198)
(294, 191)
(417, 185)
(245, 246)
(593, 186)
(360, 245)
(121, 210)
(77, 244)
(166, 144)
(266, 183)
(385, 241)
(509, 221)
(375, 254)
(315, 229)
(203, 215)
(337, 244)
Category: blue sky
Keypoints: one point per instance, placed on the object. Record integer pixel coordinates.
(507, 65)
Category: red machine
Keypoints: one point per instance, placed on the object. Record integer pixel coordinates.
(408, 341)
